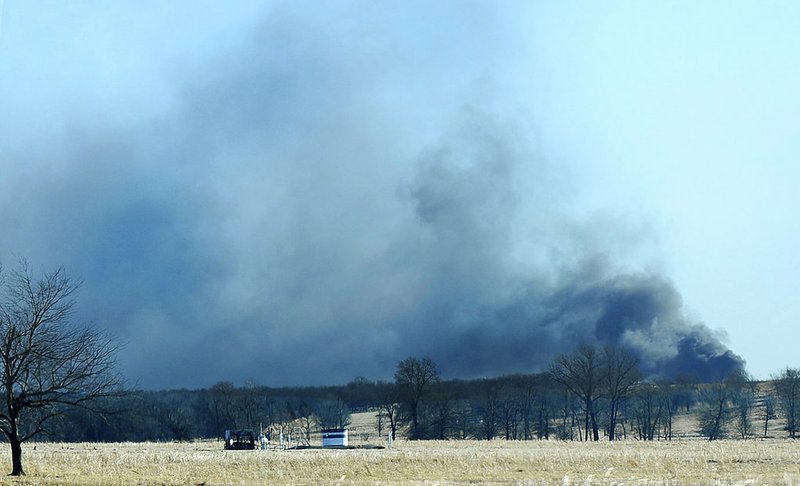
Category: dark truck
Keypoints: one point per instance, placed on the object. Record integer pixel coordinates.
(240, 440)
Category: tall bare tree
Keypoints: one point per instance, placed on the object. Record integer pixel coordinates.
(744, 401)
(388, 399)
(620, 375)
(715, 409)
(415, 377)
(647, 410)
(718, 402)
(47, 362)
(671, 395)
(768, 409)
(220, 405)
(443, 411)
(787, 389)
(582, 374)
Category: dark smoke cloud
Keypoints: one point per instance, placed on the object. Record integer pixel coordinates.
(291, 222)
(482, 317)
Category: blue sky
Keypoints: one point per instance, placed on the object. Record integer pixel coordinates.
(257, 179)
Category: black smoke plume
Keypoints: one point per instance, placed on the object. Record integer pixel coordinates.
(481, 315)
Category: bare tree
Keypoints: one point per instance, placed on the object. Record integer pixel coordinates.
(581, 374)
(443, 404)
(488, 409)
(388, 397)
(718, 402)
(620, 376)
(647, 410)
(175, 416)
(768, 407)
(221, 406)
(787, 389)
(567, 410)
(300, 415)
(671, 395)
(48, 362)
(414, 377)
(545, 406)
(715, 410)
(332, 413)
(744, 401)
(249, 403)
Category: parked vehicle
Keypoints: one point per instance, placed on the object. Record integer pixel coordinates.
(240, 439)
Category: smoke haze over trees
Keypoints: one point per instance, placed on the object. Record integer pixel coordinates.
(514, 407)
(299, 204)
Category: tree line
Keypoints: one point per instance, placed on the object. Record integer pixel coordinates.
(595, 393)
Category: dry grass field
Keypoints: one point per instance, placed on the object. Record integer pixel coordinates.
(452, 462)
(689, 460)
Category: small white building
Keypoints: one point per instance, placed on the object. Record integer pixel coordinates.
(334, 438)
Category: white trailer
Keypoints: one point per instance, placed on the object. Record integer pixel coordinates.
(334, 438)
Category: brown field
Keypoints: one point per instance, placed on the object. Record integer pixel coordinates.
(688, 460)
(452, 462)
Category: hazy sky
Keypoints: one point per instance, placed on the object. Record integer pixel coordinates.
(303, 192)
